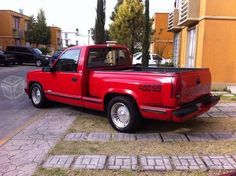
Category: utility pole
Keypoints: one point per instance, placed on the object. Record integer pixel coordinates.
(89, 36)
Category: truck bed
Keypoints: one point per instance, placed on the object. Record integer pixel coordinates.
(151, 69)
(190, 84)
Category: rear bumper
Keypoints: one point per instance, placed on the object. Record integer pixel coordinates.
(195, 109)
(8, 60)
(181, 113)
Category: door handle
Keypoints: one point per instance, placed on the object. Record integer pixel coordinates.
(74, 79)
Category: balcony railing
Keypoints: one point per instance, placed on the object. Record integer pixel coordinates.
(17, 33)
(189, 12)
(173, 20)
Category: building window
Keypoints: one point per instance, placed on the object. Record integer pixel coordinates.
(77, 42)
(17, 42)
(26, 25)
(16, 22)
(177, 4)
(66, 35)
(191, 48)
(176, 49)
(67, 43)
(1, 44)
(59, 34)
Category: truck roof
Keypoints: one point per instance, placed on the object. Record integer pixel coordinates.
(99, 46)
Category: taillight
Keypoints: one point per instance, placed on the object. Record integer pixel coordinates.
(176, 87)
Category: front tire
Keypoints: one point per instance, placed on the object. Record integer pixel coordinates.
(123, 114)
(38, 63)
(37, 96)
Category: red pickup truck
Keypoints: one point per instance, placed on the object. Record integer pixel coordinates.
(102, 77)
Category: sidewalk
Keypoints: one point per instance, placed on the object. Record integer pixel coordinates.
(22, 154)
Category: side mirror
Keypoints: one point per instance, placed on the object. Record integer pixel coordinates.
(53, 69)
(46, 69)
(46, 63)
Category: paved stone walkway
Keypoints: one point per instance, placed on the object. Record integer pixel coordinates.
(222, 110)
(157, 137)
(25, 152)
(157, 163)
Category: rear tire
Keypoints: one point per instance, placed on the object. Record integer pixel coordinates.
(37, 96)
(123, 114)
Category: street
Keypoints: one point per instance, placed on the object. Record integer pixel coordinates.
(16, 109)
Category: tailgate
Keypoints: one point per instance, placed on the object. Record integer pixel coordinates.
(195, 84)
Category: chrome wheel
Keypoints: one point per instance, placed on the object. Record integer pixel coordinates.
(36, 95)
(120, 115)
(38, 63)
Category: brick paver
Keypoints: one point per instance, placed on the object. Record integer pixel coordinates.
(99, 136)
(223, 135)
(161, 163)
(188, 163)
(59, 161)
(90, 162)
(218, 114)
(149, 137)
(219, 162)
(124, 137)
(227, 108)
(76, 137)
(170, 137)
(144, 162)
(122, 162)
(231, 114)
(157, 137)
(199, 136)
(24, 153)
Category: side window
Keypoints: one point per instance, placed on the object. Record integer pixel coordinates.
(68, 61)
(106, 57)
(25, 50)
(140, 57)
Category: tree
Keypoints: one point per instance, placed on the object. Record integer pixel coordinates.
(99, 31)
(41, 30)
(106, 34)
(119, 2)
(38, 31)
(127, 26)
(146, 36)
(161, 47)
(30, 27)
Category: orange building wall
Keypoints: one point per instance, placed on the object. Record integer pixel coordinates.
(220, 50)
(162, 41)
(6, 27)
(55, 38)
(220, 8)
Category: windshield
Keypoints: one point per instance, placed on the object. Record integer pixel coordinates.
(38, 51)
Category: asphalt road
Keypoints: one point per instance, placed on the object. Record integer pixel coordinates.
(16, 109)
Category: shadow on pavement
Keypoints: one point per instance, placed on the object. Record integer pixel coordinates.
(149, 126)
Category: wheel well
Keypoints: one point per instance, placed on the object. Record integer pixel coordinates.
(31, 83)
(110, 96)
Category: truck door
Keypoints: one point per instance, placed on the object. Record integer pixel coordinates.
(64, 82)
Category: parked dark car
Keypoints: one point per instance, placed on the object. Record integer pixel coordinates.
(6, 58)
(25, 54)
